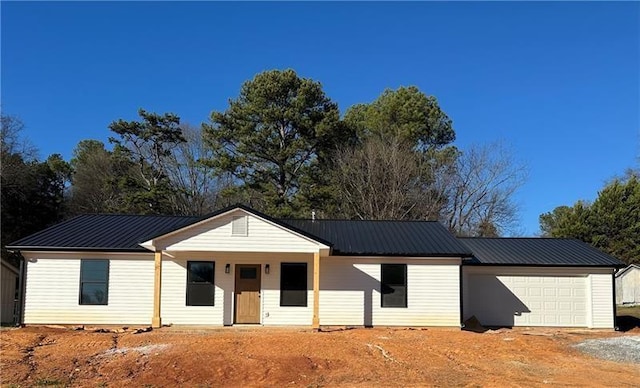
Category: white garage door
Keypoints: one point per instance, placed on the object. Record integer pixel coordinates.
(528, 300)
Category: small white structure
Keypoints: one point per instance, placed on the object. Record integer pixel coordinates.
(8, 290)
(628, 285)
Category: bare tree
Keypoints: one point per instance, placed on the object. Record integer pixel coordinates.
(385, 179)
(471, 192)
(195, 187)
(11, 141)
(480, 191)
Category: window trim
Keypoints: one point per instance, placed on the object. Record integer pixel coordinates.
(306, 282)
(106, 301)
(406, 285)
(187, 283)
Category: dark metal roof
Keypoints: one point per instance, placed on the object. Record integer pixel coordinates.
(111, 232)
(536, 252)
(95, 232)
(384, 238)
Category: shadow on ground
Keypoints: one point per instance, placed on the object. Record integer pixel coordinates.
(627, 322)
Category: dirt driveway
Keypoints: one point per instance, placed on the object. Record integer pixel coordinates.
(290, 357)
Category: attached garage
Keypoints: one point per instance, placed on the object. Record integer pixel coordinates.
(537, 282)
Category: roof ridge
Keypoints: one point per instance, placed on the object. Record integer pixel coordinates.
(134, 215)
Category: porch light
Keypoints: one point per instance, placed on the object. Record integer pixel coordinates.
(267, 268)
(227, 268)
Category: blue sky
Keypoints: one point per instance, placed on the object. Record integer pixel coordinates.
(560, 82)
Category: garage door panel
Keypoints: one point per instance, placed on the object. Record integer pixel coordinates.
(519, 290)
(565, 306)
(535, 305)
(528, 300)
(565, 292)
(532, 321)
(550, 306)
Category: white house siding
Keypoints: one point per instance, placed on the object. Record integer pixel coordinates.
(601, 301)
(53, 285)
(350, 292)
(538, 296)
(216, 234)
(174, 276)
(8, 291)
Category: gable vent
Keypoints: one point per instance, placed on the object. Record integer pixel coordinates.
(239, 226)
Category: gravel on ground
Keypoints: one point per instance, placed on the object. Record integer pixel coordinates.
(619, 349)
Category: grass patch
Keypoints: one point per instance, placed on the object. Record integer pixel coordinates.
(50, 383)
(632, 311)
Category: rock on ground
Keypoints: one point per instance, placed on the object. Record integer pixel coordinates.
(619, 349)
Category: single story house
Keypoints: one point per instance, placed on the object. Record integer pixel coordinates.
(628, 285)
(239, 266)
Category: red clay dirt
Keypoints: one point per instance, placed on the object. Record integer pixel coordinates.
(35, 356)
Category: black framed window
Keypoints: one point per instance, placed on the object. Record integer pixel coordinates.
(293, 284)
(200, 285)
(394, 285)
(94, 282)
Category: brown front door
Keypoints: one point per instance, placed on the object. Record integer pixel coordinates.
(247, 303)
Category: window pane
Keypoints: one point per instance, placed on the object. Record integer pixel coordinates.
(293, 284)
(94, 270)
(200, 272)
(394, 296)
(93, 293)
(200, 283)
(200, 294)
(94, 281)
(394, 285)
(248, 273)
(393, 273)
(293, 298)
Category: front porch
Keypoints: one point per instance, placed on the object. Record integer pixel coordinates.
(247, 288)
(256, 271)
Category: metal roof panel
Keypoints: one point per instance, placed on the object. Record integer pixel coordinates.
(536, 252)
(384, 238)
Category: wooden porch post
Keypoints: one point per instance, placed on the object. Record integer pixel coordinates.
(316, 291)
(156, 321)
